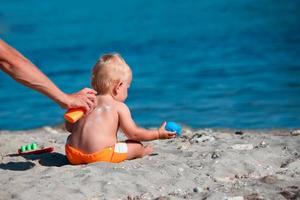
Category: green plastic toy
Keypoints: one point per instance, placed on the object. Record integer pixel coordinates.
(29, 147)
(33, 148)
(23, 148)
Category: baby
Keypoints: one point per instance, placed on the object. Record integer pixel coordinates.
(94, 137)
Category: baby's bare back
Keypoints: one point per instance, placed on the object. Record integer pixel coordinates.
(97, 130)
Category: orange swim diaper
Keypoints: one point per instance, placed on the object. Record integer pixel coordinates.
(114, 154)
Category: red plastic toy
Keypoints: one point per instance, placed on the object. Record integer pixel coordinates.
(39, 151)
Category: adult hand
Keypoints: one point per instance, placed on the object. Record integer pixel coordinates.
(85, 98)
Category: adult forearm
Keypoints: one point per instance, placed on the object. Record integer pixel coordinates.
(26, 73)
(22, 70)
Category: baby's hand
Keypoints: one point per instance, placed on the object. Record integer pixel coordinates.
(164, 134)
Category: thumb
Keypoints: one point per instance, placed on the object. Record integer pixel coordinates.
(163, 125)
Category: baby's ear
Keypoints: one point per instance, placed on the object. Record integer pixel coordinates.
(120, 84)
(117, 88)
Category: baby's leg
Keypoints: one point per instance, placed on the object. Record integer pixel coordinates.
(137, 150)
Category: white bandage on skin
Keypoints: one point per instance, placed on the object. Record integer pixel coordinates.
(121, 148)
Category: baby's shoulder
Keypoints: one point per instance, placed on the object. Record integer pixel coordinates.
(112, 106)
(120, 106)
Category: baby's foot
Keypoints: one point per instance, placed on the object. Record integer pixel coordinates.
(148, 149)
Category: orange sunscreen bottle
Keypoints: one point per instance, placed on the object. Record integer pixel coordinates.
(74, 114)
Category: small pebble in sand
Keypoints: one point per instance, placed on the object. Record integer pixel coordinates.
(239, 133)
(262, 144)
(50, 130)
(198, 138)
(242, 146)
(205, 139)
(194, 138)
(198, 190)
(207, 130)
(180, 169)
(295, 132)
(296, 153)
(291, 192)
(269, 179)
(285, 148)
(253, 196)
(215, 155)
(162, 198)
(182, 147)
(235, 198)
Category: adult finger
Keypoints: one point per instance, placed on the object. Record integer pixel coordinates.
(89, 91)
(91, 97)
(90, 103)
(84, 105)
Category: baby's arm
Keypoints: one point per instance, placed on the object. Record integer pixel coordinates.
(134, 132)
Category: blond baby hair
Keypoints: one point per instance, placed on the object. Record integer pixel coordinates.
(109, 70)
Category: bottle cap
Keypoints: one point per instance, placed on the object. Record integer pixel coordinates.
(73, 115)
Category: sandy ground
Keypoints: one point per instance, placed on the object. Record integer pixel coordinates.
(202, 164)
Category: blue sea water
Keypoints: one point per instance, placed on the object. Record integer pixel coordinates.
(209, 63)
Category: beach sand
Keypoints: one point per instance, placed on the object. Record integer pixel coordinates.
(202, 164)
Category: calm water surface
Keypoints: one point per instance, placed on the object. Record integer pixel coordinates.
(201, 63)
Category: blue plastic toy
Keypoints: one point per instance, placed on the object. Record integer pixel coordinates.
(172, 126)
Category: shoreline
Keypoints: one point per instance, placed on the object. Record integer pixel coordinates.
(202, 164)
(60, 127)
